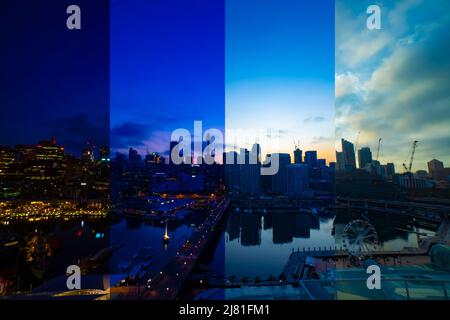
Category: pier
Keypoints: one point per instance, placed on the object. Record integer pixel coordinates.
(167, 283)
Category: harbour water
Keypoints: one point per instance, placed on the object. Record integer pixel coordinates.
(251, 245)
(258, 245)
(134, 234)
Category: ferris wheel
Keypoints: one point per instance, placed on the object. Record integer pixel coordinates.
(360, 238)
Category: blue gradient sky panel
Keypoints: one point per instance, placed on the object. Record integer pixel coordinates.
(167, 70)
(280, 73)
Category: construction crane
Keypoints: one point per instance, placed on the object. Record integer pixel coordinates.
(411, 159)
(378, 149)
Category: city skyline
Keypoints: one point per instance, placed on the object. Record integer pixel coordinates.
(224, 150)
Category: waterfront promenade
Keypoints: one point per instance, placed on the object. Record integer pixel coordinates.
(167, 283)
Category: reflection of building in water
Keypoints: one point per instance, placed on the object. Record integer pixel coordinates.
(315, 223)
(234, 226)
(285, 226)
(251, 230)
(282, 229)
(301, 224)
(267, 223)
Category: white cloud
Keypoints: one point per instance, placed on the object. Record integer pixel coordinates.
(347, 83)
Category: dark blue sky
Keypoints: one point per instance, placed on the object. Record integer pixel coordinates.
(53, 81)
(167, 70)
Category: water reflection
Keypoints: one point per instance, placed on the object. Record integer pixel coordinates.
(259, 244)
(285, 226)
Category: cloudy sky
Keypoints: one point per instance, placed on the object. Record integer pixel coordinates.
(394, 83)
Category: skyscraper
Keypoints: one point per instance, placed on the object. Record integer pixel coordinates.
(7, 158)
(298, 157)
(348, 151)
(45, 170)
(256, 153)
(311, 159)
(232, 171)
(297, 179)
(249, 175)
(364, 157)
(279, 180)
(340, 162)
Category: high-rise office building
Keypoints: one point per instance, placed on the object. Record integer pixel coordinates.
(232, 171)
(297, 179)
(7, 158)
(349, 155)
(364, 157)
(298, 156)
(249, 174)
(436, 169)
(279, 180)
(255, 153)
(340, 162)
(47, 164)
(311, 159)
